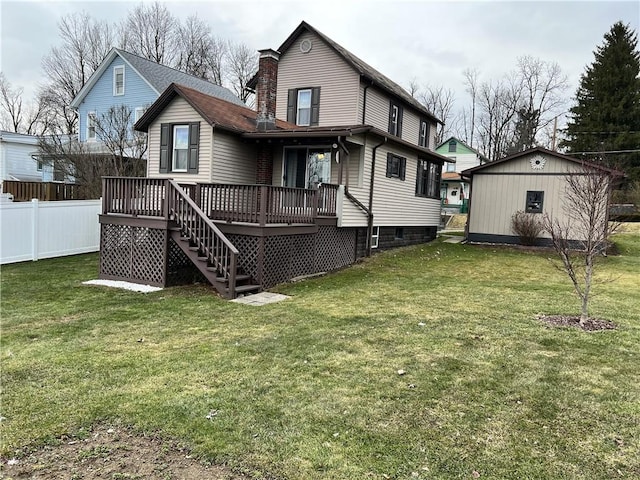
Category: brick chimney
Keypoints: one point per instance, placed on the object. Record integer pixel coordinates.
(266, 89)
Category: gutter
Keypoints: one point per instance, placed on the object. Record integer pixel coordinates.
(373, 171)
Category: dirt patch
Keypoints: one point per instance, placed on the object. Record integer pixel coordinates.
(112, 453)
(591, 325)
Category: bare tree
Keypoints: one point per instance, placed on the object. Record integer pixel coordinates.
(150, 31)
(11, 105)
(439, 101)
(215, 59)
(194, 42)
(242, 63)
(120, 152)
(582, 235)
(471, 82)
(85, 43)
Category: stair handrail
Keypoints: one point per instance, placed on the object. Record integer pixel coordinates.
(180, 207)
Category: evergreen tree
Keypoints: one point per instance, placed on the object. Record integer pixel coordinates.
(607, 114)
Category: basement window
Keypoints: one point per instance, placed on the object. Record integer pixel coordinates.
(375, 235)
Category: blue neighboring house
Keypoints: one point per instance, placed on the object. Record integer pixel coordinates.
(127, 79)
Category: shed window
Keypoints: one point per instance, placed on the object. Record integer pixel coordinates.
(535, 200)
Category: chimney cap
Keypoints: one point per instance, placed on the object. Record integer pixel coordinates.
(269, 53)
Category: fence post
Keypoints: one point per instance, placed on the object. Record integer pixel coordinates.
(34, 229)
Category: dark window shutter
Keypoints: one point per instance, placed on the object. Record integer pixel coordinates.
(292, 100)
(427, 135)
(403, 167)
(315, 105)
(400, 122)
(165, 130)
(389, 163)
(418, 176)
(194, 142)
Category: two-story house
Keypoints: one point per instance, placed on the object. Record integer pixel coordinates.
(135, 82)
(335, 161)
(455, 188)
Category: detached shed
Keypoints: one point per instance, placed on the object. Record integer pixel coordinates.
(532, 181)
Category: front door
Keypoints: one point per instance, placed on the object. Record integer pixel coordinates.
(306, 167)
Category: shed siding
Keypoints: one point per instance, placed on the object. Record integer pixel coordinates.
(324, 68)
(179, 111)
(233, 161)
(137, 93)
(500, 191)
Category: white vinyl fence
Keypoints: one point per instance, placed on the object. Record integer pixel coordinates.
(34, 230)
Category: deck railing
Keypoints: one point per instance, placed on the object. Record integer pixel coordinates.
(202, 233)
(259, 204)
(134, 196)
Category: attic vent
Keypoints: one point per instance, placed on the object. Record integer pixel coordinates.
(305, 45)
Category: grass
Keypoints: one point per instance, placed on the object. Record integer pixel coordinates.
(309, 388)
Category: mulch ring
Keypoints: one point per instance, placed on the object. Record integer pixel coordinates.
(591, 325)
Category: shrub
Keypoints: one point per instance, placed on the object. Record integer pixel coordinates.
(527, 226)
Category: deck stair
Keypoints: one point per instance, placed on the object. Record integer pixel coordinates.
(206, 246)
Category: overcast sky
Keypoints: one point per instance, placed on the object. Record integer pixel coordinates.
(432, 42)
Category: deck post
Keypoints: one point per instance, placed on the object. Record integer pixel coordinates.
(165, 200)
(263, 205)
(106, 197)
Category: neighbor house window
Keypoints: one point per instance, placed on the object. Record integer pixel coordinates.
(396, 166)
(535, 200)
(375, 235)
(451, 167)
(40, 165)
(428, 179)
(395, 119)
(139, 111)
(423, 139)
(303, 106)
(118, 80)
(91, 126)
(452, 146)
(179, 147)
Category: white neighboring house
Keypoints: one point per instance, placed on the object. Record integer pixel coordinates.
(16, 160)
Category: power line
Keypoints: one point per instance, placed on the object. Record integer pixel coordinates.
(605, 151)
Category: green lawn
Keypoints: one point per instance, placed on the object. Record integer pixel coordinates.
(309, 388)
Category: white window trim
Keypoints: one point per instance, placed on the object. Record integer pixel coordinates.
(375, 234)
(303, 90)
(116, 70)
(395, 111)
(138, 113)
(173, 150)
(424, 129)
(95, 133)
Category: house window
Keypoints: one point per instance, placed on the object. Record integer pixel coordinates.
(58, 172)
(118, 80)
(396, 166)
(375, 235)
(139, 111)
(428, 179)
(423, 139)
(395, 119)
(452, 146)
(91, 126)
(451, 167)
(179, 147)
(399, 233)
(303, 106)
(303, 116)
(40, 165)
(535, 200)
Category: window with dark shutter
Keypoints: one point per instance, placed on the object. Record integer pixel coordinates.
(303, 106)
(292, 100)
(423, 138)
(179, 147)
(395, 119)
(315, 105)
(396, 166)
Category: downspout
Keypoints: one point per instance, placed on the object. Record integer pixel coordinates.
(373, 171)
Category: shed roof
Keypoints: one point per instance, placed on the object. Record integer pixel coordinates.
(471, 171)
